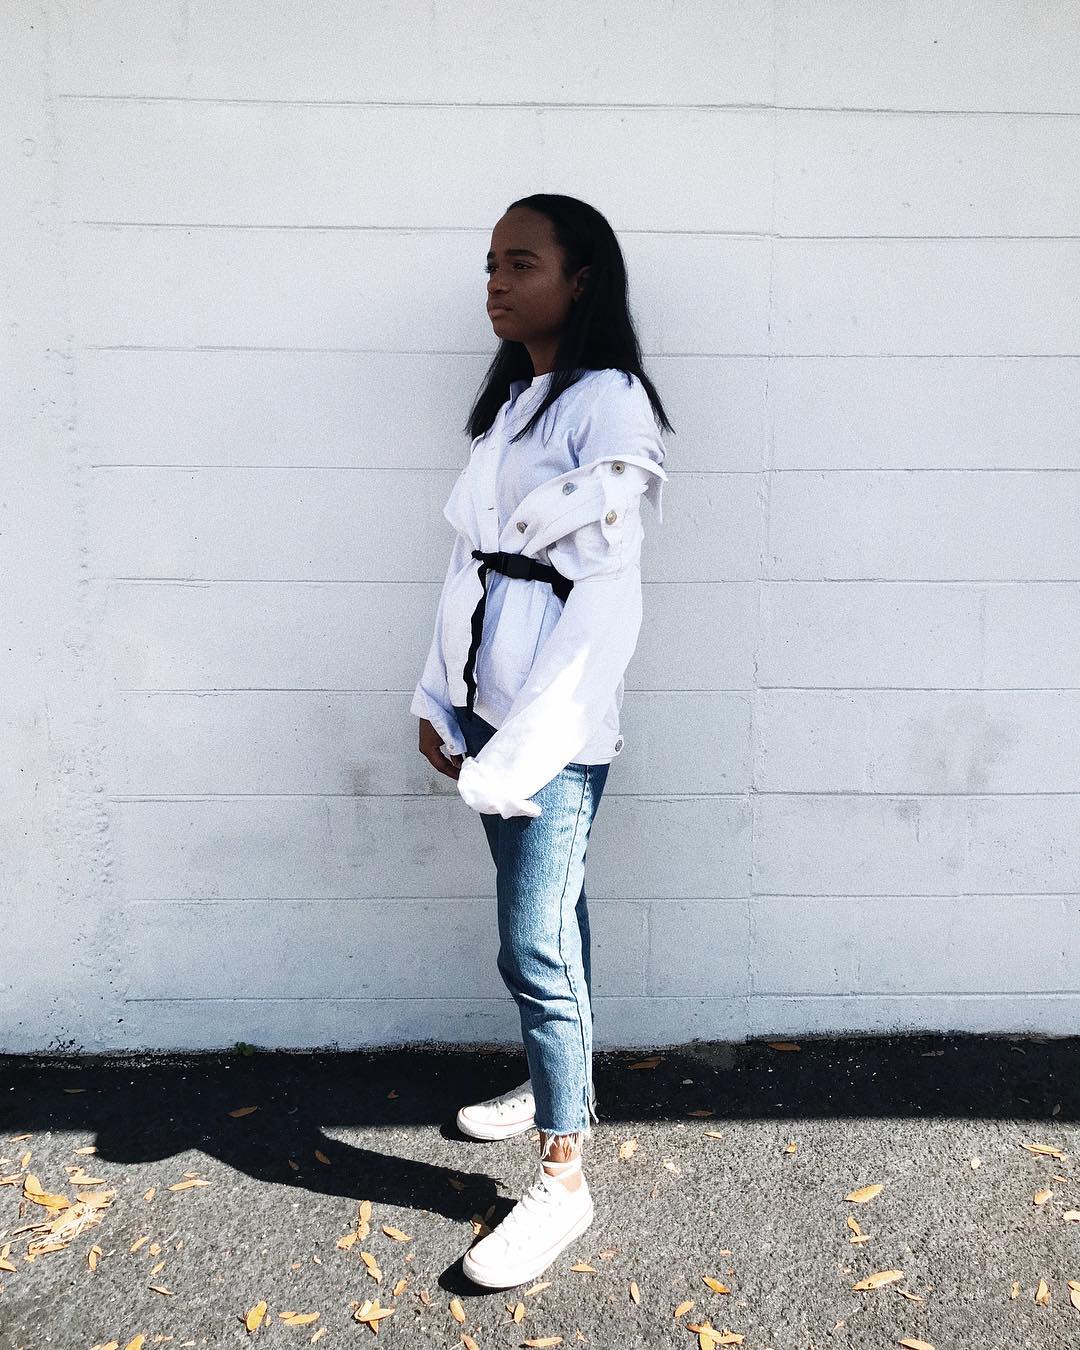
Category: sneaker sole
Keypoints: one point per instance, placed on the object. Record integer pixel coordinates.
(523, 1275)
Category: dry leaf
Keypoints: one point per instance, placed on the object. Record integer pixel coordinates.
(649, 1063)
(395, 1233)
(791, 1146)
(86, 1148)
(297, 1319)
(399, 1288)
(372, 1266)
(187, 1185)
(370, 1312)
(627, 1148)
(635, 1292)
(702, 1111)
(457, 1185)
(1071, 1216)
(584, 1266)
(783, 1045)
(543, 1341)
(537, 1287)
(517, 1312)
(1014, 1292)
(879, 1278)
(79, 1178)
(715, 1285)
(457, 1312)
(159, 1289)
(683, 1308)
(149, 1195)
(93, 1255)
(322, 1156)
(253, 1318)
(1074, 1292)
(865, 1193)
(1041, 1196)
(468, 1342)
(712, 1134)
(243, 1111)
(1042, 1294)
(1045, 1149)
(136, 1342)
(911, 1343)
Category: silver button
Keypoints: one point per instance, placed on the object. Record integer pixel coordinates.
(611, 517)
(617, 467)
(569, 487)
(522, 526)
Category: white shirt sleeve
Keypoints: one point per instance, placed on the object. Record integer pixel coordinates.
(431, 698)
(580, 665)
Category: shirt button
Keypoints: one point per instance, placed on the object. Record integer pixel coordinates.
(618, 745)
(522, 526)
(617, 467)
(611, 517)
(569, 487)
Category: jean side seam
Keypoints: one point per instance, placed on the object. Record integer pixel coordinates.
(562, 924)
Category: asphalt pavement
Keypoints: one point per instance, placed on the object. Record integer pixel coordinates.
(241, 1197)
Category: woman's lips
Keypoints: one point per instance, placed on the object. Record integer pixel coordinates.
(498, 309)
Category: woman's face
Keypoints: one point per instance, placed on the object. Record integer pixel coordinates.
(528, 298)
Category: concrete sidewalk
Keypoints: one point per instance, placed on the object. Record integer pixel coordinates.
(724, 1161)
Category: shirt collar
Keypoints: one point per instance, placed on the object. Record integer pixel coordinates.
(516, 386)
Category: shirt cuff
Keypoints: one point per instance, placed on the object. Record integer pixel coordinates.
(482, 793)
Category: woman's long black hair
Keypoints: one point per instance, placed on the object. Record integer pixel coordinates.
(599, 332)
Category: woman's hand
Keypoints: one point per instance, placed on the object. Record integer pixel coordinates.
(430, 742)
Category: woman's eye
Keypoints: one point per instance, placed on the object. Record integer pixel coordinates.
(489, 267)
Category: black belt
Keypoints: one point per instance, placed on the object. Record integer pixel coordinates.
(511, 565)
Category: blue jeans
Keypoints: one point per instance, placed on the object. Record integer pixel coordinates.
(544, 956)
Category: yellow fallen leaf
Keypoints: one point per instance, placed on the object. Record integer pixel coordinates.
(399, 1288)
(540, 1341)
(347, 1241)
(149, 1195)
(791, 1147)
(913, 1343)
(395, 1233)
(537, 1287)
(32, 1190)
(1014, 1292)
(186, 1185)
(1074, 1292)
(253, 1318)
(93, 1255)
(322, 1156)
(879, 1278)
(703, 1111)
(627, 1148)
(137, 1342)
(297, 1319)
(243, 1111)
(1042, 1294)
(715, 1285)
(712, 1134)
(865, 1193)
(160, 1289)
(635, 1292)
(1045, 1149)
(649, 1063)
(683, 1308)
(1071, 1216)
(1041, 1196)
(86, 1148)
(468, 1342)
(372, 1266)
(79, 1178)
(783, 1045)
(457, 1312)
(584, 1266)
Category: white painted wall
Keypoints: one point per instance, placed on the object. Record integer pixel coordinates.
(241, 235)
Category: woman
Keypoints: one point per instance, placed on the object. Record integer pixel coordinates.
(520, 697)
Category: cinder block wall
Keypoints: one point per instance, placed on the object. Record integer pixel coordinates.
(244, 322)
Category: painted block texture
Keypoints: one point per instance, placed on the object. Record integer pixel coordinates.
(246, 321)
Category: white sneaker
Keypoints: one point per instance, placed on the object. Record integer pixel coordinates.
(511, 1113)
(542, 1224)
